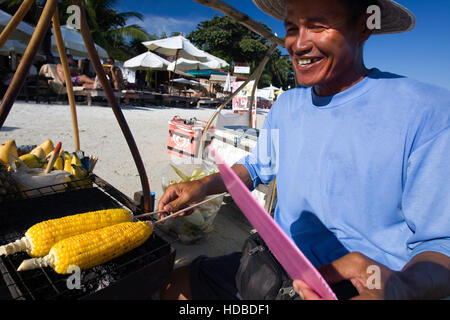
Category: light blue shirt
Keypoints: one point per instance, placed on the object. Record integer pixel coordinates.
(369, 166)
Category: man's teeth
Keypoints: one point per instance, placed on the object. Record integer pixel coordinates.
(303, 62)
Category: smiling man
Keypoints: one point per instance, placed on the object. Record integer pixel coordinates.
(362, 162)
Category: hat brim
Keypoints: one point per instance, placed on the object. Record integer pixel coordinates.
(394, 17)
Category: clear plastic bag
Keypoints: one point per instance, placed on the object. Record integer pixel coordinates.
(197, 225)
(33, 178)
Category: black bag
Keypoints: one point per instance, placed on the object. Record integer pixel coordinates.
(260, 276)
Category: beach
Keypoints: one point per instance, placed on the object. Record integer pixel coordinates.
(100, 136)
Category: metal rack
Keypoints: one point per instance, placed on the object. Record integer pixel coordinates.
(136, 275)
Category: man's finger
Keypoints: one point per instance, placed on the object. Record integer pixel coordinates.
(177, 204)
(305, 291)
(170, 195)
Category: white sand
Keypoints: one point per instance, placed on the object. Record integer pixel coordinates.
(100, 135)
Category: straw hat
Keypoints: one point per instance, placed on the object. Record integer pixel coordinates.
(394, 17)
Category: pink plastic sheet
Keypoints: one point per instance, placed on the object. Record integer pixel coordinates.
(282, 247)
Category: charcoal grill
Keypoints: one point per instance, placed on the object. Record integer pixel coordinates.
(136, 275)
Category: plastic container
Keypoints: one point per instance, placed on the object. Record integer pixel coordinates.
(197, 225)
(184, 136)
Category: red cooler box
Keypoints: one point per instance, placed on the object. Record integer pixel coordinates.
(184, 136)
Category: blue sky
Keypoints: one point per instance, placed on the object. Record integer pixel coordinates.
(423, 53)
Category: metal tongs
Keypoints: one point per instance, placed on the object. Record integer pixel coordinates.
(178, 213)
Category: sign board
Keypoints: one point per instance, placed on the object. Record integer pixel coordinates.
(241, 100)
(242, 70)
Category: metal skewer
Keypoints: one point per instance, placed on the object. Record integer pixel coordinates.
(178, 213)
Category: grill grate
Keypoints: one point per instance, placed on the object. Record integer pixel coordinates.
(16, 217)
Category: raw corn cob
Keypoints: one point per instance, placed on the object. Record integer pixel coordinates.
(92, 248)
(42, 236)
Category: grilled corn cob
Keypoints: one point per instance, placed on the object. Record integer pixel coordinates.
(42, 236)
(92, 248)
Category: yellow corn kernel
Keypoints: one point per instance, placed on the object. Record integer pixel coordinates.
(92, 248)
(42, 236)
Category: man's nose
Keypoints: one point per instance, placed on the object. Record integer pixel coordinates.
(303, 42)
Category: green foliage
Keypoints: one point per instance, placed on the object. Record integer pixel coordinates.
(231, 41)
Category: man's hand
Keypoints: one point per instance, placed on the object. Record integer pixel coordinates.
(181, 195)
(360, 270)
(426, 276)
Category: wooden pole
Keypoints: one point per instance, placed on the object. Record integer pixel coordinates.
(24, 67)
(15, 20)
(173, 75)
(227, 100)
(67, 76)
(252, 97)
(115, 107)
(242, 18)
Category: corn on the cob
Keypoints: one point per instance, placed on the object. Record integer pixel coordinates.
(92, 248)
(42, 236)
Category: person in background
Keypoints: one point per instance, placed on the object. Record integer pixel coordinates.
(78, 79)
(114, 74)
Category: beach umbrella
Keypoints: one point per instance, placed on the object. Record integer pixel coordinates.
(270, 91)
(177, 46)
(185, 65)
(23, 32)
(210, 57)
(186, 81)
(147, 60)
(227, 86)
(13, 46)
(271, 88)
(279, 92)
(74, 44)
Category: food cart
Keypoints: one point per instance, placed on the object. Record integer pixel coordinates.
(137, 274)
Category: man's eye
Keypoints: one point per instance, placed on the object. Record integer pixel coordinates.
(291, 29)
(318, 27)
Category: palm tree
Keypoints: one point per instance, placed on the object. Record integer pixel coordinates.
(108, 27)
